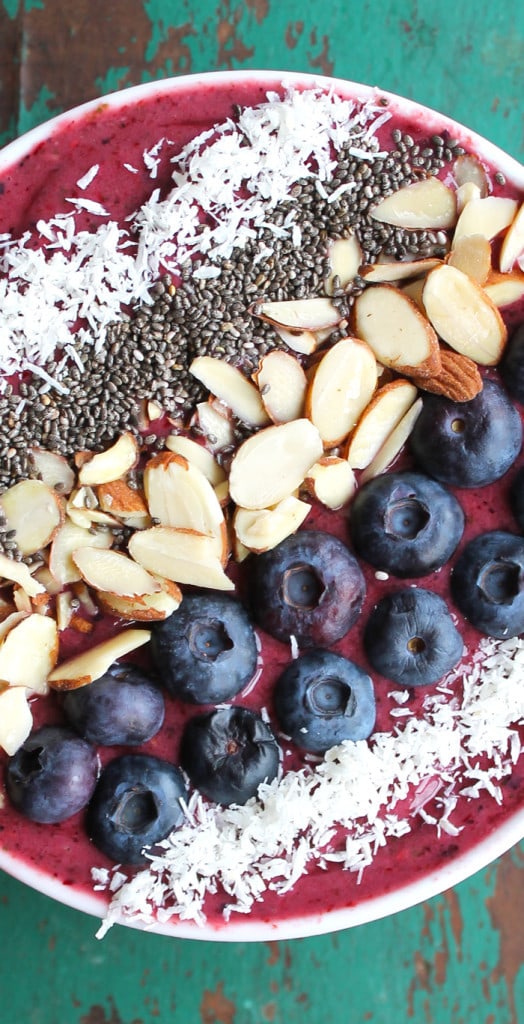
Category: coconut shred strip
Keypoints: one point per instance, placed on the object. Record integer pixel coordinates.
(232, 175)
(456, 750)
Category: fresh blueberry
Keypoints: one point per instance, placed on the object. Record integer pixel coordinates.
(206, 651)
(123, 707)
(310, 586)
(52, 775)
(511, 367)
(405, 524)
(411, 638)
(137, 803)
(487, 583)
(227, 753)
(322, 699)
(516, 497)
(468, 444)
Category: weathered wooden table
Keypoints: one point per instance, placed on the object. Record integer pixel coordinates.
(459, 957)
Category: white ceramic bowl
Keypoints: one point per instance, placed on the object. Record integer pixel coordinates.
(506, 834)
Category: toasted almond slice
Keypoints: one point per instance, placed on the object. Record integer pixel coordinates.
(513, 244)
(123, 502)
(183, 556)
(394, 443)
(299, 314)
(396, 331)
(68, 538)
(386, 409)
(215, 422)
(154, 411)
(505, 289)
(29, 652)
(113, 572)
(198, 455)
(488, 217)
(261, 530)
(179, 495)
(464, 316)
(331, 481)
(111, 464)
(465, 193)
(271, 464)
(64, 610)
(345, 257)
(10, 621)
(18, 572)
(230, 385)
(472, 255)
(400, 270)
(52, 469)
(341, 386)
(282, 384)
(303, 342)
(423, 204)
(34, 511)
(84, 668)
(23, 601)
(467, 169)
(149, 608)
(16, 719)
(82, 509)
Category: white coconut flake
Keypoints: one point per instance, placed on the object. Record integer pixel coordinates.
(88, 177)
(90, 205)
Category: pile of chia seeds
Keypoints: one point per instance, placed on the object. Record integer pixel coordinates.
(148, 354)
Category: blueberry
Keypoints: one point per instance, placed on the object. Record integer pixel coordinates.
(124, 707)
(322, 699)
(468, 444)
(516, 497)
(52, 775)
(206, 651)
(511, 367)
(405, 524)
(137, 803)
(310, 586)
(411, 639)
(487, 583)
(227, 753)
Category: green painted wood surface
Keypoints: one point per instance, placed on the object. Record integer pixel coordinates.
(459, 957)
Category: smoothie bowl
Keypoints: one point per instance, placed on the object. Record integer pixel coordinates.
(261, 552)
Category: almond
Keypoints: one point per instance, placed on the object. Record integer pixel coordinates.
(16, 720)
(465, 193)
(113, 572)
(345, 257)
(261, 530)
(341, 386)
(458, 378)
(399, 270)
(303, 342)
(505, 289)
(84, 668)
(34, 512)
(179, 495)
(379, 419)
(110, 464)
(11, 620)
(69, 538)
(64, 610)
(464, 316)
(183, 556)
(282, 383)
(198, 455)
(487, 216)
(396, 331)
(29, 652)
(393, 444)
(467, 168)
(331, 481)
(18, 572)
(513, 244)
(52, 469)
(149, 608)
(214, 421)
(125, 503)
(271, 464)
(472, 255)
(423, 204)
(299, 314)
(229, 385)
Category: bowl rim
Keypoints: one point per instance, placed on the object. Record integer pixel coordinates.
(505, 835)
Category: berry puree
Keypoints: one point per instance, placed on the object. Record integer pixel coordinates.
(36, 189)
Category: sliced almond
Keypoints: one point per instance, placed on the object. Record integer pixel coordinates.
(84, 668)
(394, 443)
(342, 384)
(34, 512)
(111, 464)
(10, 621)
(282, 383)
(69, 538)
(52, 469)
(179, 495)
(230, 385)
(18, 572)
(113, 572)
(183, 556)
(198, 455)
(126, 504)
(513, 244)
(271, 464)
(414, 290)
(396, 331)
(464, 316)
(149, 608)
(488, 217)
(472, 255)
(331, 481)
(261, 530)
(16, 720)
(64, 610)
(29, 652)
(82, 508)
(400, 270)
(388, 406)
(423, 204)
(299, 314)
(467, 169)
(23, 601)
(345, 257)
(505, 289)
(83, 595)
(465, 193)
(215, 423)
(303, 342)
